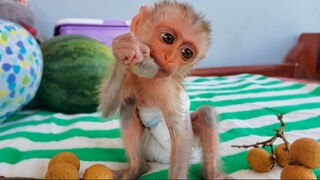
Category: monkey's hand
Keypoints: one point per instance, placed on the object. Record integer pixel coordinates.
(128, 49)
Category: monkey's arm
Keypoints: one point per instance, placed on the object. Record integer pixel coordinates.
(126, 49)
(110, 91)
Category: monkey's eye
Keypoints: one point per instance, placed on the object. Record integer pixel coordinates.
(167, 38)
(186, 53)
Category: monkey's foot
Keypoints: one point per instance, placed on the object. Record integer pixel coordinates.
(130, 173)
(211, 174)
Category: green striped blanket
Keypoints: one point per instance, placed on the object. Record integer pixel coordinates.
(247, 106)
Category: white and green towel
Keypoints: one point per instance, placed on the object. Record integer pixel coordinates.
(247, 106)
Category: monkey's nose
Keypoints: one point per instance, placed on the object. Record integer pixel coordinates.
(169, 54)
(165, 56)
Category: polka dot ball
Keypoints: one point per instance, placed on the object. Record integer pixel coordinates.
(20, 68)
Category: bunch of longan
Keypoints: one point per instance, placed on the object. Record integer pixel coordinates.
(66, 165)
(297, 160)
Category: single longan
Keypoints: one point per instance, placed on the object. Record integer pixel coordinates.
(147, 68)
(67, 157)
(260, 160)
(306, 151)
(297, 172)
(282, 155)
(62, 170)
(97, 171)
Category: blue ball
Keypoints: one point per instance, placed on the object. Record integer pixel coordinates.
(20, 68)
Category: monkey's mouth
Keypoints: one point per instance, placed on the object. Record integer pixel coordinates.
(162, 72)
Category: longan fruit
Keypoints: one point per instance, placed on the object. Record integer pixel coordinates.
(146, 68)
(305, 151)
(297, 172)
(67, 157)
(260, 160)
(62, 170)
(282, 155)
(97, 171)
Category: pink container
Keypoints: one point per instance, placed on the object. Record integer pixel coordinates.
(102, 30)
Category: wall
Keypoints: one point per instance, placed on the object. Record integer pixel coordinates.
(246, 32)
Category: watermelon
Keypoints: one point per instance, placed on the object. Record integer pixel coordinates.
(73, 68)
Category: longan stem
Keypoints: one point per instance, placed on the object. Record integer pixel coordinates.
(281, 135)
(270, 141)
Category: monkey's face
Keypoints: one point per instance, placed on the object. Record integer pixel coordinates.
(175, 43)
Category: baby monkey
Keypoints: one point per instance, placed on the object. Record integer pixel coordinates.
(166, 41)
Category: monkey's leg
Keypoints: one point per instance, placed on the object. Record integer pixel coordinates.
(180, 145)
(132, 130)
(204, 126)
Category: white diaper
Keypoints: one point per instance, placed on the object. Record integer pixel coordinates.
(156, 142)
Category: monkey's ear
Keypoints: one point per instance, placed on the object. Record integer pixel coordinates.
(144, 12)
